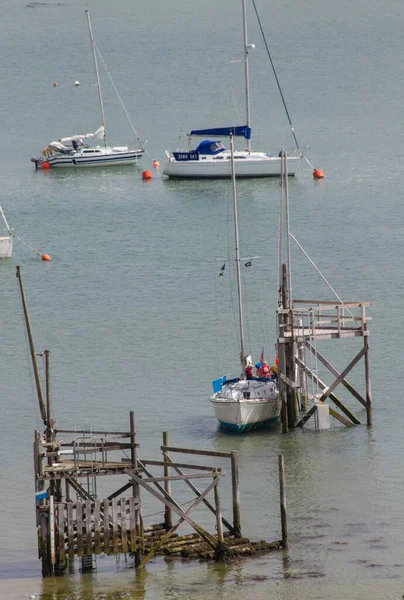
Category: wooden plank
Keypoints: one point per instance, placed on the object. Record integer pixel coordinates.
(88, 526)
(161, 463)
(60, 524)
(97, 532)
(70, 531)
(199, 452)
(114, 525)
(106, 527)
(177, 477)
(79, 519)
(124, 529)
(340, 418)
(132, 523)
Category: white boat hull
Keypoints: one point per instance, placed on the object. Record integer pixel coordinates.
(247, 165)
(6, 247)
(246, 414)
(247, 404)
(100, 158)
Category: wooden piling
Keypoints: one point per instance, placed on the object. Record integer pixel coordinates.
(136, 491)
(168, 515)
(284, 520)
(219, 525)
(235, 494)
(367, 376)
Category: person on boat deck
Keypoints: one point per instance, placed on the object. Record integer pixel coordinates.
(273, 374)
(75, 144)
(249, 372)
(264, 370)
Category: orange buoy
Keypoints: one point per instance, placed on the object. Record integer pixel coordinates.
(147, 175)
(156, 164)
(45, 165)
(46, 257)
(318, 174)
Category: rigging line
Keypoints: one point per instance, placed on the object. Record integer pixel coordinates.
(276, 78)
(120, 99)
(323, 278)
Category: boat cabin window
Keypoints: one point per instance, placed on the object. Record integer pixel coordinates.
(91, 151)
(238, 157)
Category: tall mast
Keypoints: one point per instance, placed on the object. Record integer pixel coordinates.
(240, 305)
(246, 71)
(32, 349)
(97, 75)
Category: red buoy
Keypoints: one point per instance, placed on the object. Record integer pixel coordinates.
(45, 165)
(147, 175)
(156, 164)
(318, 174)
(46, 257)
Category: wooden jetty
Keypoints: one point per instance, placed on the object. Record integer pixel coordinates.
(72, 522)
(302, 325)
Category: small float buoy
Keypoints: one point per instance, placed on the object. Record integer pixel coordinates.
(147, 175)
(46, 257)
(156, 164)
(318, 174)
(55, 84)
(45, 165)
(77, 83)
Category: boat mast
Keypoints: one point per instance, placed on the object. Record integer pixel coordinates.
(246, 72)
(97, 75)
(236, 238)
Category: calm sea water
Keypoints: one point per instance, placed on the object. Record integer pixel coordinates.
(131, 306)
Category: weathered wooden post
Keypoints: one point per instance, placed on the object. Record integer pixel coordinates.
(219, 524)
(284, 520)
(235, 494)
(302, 372)
(367, 376)
(136, 490)
(168, 515)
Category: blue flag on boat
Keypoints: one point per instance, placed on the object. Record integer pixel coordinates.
(218, 384)
(239, 131)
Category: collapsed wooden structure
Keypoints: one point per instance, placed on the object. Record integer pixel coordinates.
(73, 522)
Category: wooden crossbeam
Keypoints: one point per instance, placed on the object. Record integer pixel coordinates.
(198, 493)
(332, 396)
(205, 535)
(334, 371)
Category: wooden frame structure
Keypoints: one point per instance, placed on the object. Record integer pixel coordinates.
(300, 328)
(73, 522)
(303, 323)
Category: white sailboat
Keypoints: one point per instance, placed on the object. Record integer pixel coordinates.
(246, 402)
(211, 158)
(6, 241)
(74, 151)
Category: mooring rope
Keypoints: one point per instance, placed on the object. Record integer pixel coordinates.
(122, 104)
(276, 78)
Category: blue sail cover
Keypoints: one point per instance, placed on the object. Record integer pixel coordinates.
(240, 131)
(210, 148)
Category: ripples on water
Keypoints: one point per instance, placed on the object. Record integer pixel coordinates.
(131, 307)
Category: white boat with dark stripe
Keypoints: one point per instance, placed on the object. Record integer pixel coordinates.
(210, 159)
(75, 152)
